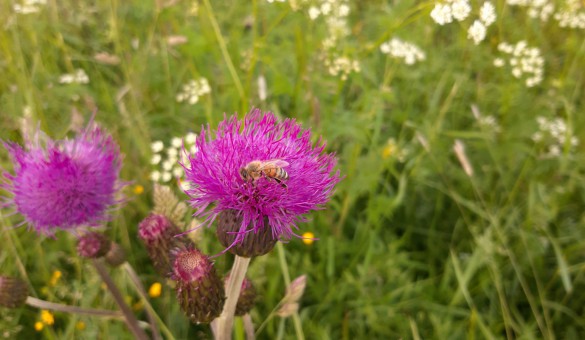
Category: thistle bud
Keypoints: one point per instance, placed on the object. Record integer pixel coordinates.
(93, 245)
(116, 255)
(13, 292)
(247, 296)
(199, 289)
(254, 243)
(158, 234)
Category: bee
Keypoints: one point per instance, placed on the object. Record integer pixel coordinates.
(271, 169)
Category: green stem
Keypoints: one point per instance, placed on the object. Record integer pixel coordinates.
(232, 290)
(42, 304)
(286, 275)
(130, 319)
(224, 51)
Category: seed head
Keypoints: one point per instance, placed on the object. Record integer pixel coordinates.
(93, 245)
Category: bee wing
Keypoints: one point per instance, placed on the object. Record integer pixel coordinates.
(273, 163)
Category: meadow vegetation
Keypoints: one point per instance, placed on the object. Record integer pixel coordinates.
(461, 212)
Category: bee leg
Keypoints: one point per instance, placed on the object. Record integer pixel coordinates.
(280, 182)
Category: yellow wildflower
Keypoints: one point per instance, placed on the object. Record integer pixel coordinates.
(390, 149)
(155, 290)
(80, 325)
(308, 238)
(39, 326)
(55, 278)
(47, 317)
(138, 189)
(138, 306)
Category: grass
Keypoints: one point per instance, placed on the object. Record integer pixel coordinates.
(410, 246)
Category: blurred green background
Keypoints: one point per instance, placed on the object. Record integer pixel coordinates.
(412, 245)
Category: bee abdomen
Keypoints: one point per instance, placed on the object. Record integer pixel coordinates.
(283, 174)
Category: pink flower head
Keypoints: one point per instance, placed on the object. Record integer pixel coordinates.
(217, 181)
(64, 184)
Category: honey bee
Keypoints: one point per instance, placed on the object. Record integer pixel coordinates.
(271, 169)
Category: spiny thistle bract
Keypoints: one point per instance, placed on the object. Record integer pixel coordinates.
(13, 292)
(93, 245)
(214, 175)
(200, 291)
(64, 184)
(159, 235)
(116, 255)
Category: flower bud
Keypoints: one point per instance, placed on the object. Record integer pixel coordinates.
(253, 243)
(247, 296)
(158, 234)
(13, 292)
(93, 245)
(200, 291)
(116, 255)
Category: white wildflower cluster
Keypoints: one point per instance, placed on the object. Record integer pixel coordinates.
(446, 12)
(341, 66)
(526, 62)
(335, 14)
(330, 9)
(537, 9)
(399, 49)
(554, 135)
(79, 77)
(166, 161)
(272, 1)
(29, 6)
(572, 15)
(193, 90)
(569, 15)
(489, 122)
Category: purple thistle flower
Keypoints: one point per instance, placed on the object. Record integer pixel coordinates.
(216, 180)
(64, 184)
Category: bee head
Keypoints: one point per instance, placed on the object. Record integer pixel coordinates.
(244, 174)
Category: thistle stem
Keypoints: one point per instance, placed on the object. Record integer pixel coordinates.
(249, 327)
(142, 292)
(130, 319)
(42, 304)
(232, 289)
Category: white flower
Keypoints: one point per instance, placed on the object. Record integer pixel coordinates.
(176, 142)
(343, 10)
(155, 159)
(499, 62)
(167, 165)
(314, 12)
(157, 146)
(178, 171)
(442, 14)
(399, 49)
(487, 13)
(476, 32)
(191, 138)
(185, 185)
(155, 176)
(326, 8)
(460, 9)
(192, 90)
(166, 176)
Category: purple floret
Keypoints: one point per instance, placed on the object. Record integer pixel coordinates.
(64, 184)
(216, 183)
